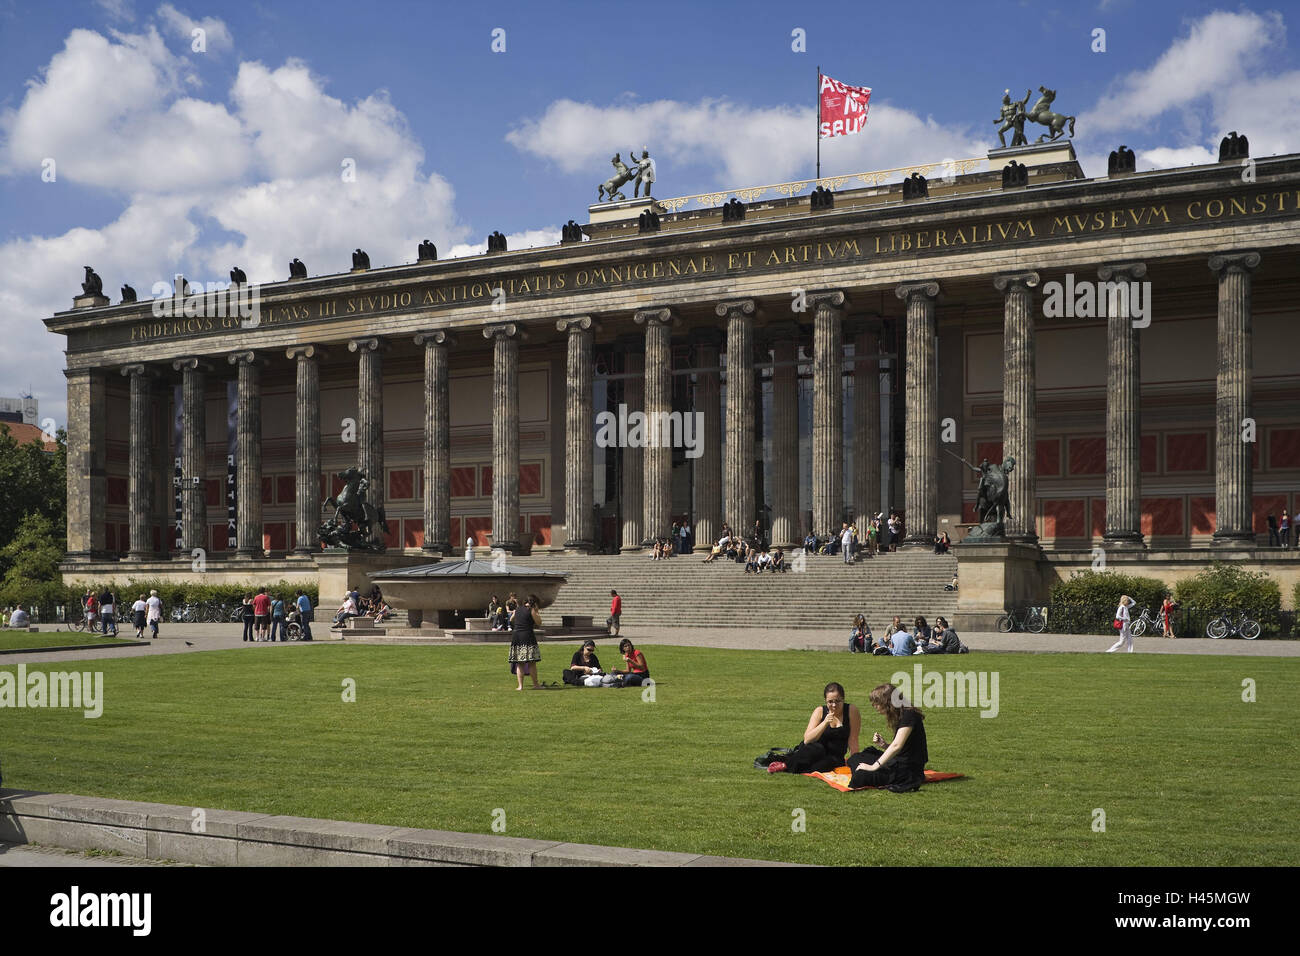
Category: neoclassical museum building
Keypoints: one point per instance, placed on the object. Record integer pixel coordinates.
(1131, 340)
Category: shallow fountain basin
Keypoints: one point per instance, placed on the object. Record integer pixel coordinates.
(432, 593)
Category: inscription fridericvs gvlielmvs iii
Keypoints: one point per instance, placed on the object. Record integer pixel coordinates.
(870, 244)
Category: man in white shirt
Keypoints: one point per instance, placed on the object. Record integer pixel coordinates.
(846, 543)
(19, 618)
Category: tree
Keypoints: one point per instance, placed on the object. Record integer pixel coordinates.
(32, 481)
(32, 559)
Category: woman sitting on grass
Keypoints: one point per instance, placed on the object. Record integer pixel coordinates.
(638, 671)
(832, 732)
(900, 767)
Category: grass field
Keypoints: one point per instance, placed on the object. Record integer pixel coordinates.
(1186, 772)
(13, 639)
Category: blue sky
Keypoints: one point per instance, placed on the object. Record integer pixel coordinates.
(169, 159)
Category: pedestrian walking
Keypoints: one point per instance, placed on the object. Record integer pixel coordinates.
(306, 613)
(1125, 633)
(615, 609)
(154, 614)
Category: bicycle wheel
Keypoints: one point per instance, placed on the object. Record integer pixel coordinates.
(1217, 628)
(1250, 629)
(1139, 627)
(1004, 624)
(1035, 623)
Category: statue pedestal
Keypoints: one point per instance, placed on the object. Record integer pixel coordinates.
(993, 575)
(336, 571)
(619, 209)
(89, 301)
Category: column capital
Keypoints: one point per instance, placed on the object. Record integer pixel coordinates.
(1229, 262)
(435, 337)
(648, 317)
(505, 330)
(1012, 281)
(192, 363)
(577, 323)
(149, 371)
(736, 307)
(305, 351)
(369, 344)
(828, 298)
(246, 357)
(910, 290)
(1124, 271)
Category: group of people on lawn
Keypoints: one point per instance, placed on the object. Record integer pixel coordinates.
(898, 641)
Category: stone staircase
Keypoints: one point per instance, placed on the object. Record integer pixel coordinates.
(684, 592)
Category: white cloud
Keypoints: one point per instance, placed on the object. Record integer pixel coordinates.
(216, 34)
(117, 9)
(252, 181)
(514, 242)
(746, 146)
(1169, 157)
(1217, 53)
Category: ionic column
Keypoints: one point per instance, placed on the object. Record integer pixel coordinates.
(921, 434)
(633, 456)
(248, 461)
(370, 421)
(307, 517)
(505, 435)
(866, 422)
(738, 469)
(1123, 412)
(437, 441)
(1019, 402)
(579, 436)
(194, 466)
(140, 487)
(1233, 478)
(707, 503)
(828, 411)
(657, 505)
(785, 434)
(87, 460)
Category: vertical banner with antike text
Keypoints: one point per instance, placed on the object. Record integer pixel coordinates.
(232, 450)
(178, 438)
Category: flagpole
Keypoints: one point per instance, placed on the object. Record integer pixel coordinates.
(819, 121)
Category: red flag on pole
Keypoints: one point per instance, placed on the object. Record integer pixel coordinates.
(842, 109)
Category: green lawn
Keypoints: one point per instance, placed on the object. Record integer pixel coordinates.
(12, 639)
(1186, 772)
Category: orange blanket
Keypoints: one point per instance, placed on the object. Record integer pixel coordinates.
(839, 778)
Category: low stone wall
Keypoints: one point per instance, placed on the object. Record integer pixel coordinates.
(158, 831)
(218, 570)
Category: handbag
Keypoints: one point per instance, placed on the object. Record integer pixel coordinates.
(1118, 624)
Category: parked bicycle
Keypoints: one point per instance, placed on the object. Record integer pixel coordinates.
(1140, 621)
(187, 614)
(1022, 619)
(1225, 626)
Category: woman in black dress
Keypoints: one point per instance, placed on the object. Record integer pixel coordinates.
(901, 765)
(524, 652)
(832, 732)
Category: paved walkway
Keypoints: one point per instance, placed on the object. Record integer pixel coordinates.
(186, 638)
(15, 855)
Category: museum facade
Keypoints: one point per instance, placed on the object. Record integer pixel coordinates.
(1130, 341)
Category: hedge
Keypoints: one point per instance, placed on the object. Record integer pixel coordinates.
(1085, 602)
(1226, 587)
